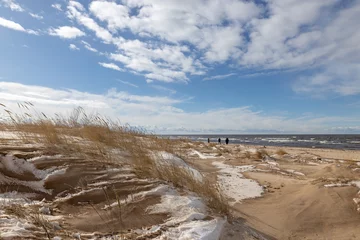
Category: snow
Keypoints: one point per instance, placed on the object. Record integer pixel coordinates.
(56, 172)
(8, 135)
(41, 158)
(165, 158)
(336, 185)
(14, 228)
(21, 167)
(77, 235)
(195, 230)
(15, 198)
(252, 150)
(234, 185)
(295, 172)
(45, 210)
(356, 183)
(273, 163)
(181, 208)
(313, 163)
(202, 155)
(187, 214)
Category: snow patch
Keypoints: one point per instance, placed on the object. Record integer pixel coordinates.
(22, 167)
(181, 208)
(41, 158)
(202, 155)
(336, 185)
(165, 158)
(195, 230)
(11, 228)
(295, 172)
(187, 218)
(234, 185)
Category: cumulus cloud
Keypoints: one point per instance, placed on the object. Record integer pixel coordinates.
(66, 32)
(275, 35)
(74, 47)
(76, 12)
(163, 113)
(13, 5)
(15, 26)
(172, 41)
(111, 66)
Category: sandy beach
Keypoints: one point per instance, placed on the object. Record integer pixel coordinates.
(308, 193)
(265, 192)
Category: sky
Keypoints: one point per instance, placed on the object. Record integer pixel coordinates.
(187, 66)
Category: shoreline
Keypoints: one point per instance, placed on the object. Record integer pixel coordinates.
(329, 153)
(340, 141)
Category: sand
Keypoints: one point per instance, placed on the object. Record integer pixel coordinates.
(273, 192)
(295, 203)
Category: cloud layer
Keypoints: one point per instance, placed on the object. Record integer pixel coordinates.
(175, 40)
(162, 114)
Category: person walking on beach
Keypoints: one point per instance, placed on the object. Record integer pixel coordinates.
(227, 141)
(208, 140)
(219, 140)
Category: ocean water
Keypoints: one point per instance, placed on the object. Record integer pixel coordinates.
(350, 141)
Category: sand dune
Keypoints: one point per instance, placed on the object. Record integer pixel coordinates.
(273, 193)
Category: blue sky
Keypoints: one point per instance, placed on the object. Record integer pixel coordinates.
(188, 66)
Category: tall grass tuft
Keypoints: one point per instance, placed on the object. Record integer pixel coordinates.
(100, 139)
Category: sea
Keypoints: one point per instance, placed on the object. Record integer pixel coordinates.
(335, 141)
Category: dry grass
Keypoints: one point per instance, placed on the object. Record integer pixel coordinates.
(32, 215)
(184, 178)
(99, 138)
(281, 152)
(260, 154)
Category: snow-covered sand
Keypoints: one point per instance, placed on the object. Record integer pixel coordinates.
(234, 185)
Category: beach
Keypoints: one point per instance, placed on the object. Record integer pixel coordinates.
(124, 185)
(308, 193)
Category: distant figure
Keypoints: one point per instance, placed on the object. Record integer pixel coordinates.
(219, 140)
(208, 140)
(227, 141)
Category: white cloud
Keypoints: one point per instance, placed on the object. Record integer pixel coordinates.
(66, 32)
(162, 113)
(88, 46)
(171, 41)
(164, 89)
(275, 35)
(111, 66)
(73, 47)
(13, 5)
(36, 16)
(15, 26)
(339, 79)
(57, 6)
(128, 83)
(76, 12)
(12, 25)
(217, 77)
